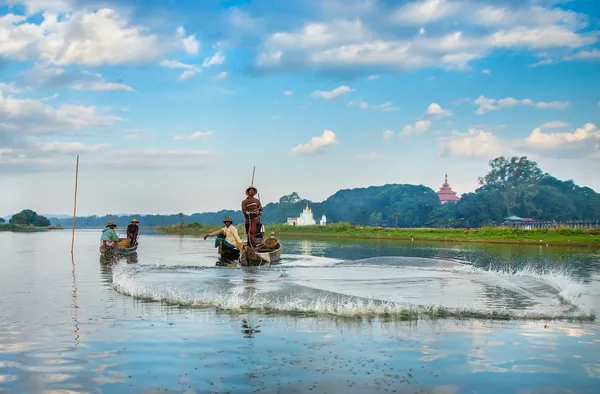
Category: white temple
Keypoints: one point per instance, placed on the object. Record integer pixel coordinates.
(323, 221)
(306, 218)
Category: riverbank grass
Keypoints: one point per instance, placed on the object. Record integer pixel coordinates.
(558, 236)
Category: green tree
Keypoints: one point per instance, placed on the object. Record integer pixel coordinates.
(375, 219)
(27, 217)
(517, 178)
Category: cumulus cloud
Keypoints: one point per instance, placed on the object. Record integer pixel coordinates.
(465, 30)
(473, 143)
(332, 94)
(198, 135)
(316, 144)
(584, 141)
(102, 37)
(34, 117)
(288, 93)
(191, 45)
(436, 111)
(487, 104)
(419, 127)
(387, 135)
(555, 124)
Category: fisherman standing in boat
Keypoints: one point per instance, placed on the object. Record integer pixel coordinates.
(232, 239)
(252, 209)
(109, 238)
(132, 232)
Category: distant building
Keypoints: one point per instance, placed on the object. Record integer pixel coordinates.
(306, 218)
(446, 194)
(323, 221)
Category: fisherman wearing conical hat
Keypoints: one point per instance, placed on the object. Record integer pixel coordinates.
(109, 237)
(252, 209)
(132, 232)
(229, 235)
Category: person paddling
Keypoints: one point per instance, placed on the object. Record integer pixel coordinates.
(132, 232)
(252, 209)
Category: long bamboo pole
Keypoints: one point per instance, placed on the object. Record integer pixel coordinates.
(253, 171)
(74, 206)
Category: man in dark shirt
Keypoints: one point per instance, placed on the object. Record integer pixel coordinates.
(252, 209)
(132, 232)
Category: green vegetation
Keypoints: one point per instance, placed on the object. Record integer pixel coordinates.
(513, 186)
(27, 221)
(559, 236)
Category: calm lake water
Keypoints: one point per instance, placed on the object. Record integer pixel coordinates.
(335, 317)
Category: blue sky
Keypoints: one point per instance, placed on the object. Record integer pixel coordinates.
(171, 103)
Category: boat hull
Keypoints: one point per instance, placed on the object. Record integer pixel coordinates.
(250, 257)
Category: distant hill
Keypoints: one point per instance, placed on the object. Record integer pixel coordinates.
(514, 186)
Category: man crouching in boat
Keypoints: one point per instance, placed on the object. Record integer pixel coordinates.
(231, 239)
(109, 238)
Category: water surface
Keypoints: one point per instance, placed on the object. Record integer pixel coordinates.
(345, 316)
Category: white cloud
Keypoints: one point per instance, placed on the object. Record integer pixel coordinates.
(102, 37)
(187, 74)
(419, 127)
(553, 104)
(372, 77)
(240, 19)
(584, 141)
(487, 104)
(555, 124)
(177, 64)
(191, 45)
(473, 143)
(465, 30)
(486, 72)
(198, 135)
(427, 11)
(288, 93)
(214, 60)
(35, 6)
(594, 54)
(385, 107)
(316, 144)
(95, 82)
(332, 94)
(368, 156)
(436, 111)
(68, 147)
(387, 135)
(221, 76)
(33, 117)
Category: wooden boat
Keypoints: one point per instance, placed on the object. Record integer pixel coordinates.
(264, 254)
(119, 251)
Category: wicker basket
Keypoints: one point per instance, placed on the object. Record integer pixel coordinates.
(271, 243)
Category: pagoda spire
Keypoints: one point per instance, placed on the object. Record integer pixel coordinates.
(446, 179)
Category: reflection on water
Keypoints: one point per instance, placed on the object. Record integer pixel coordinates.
(64, 328)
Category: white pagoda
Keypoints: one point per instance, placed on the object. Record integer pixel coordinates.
(306, 218)
(323, 221)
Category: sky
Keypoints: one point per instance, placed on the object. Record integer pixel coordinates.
(170, 104)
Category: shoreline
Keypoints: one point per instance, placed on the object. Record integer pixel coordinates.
(447, 239)
(541, 237)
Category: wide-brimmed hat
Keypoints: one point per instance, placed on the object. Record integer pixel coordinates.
(134, 220)
(251, 187)
(228, 219)
(111, 223)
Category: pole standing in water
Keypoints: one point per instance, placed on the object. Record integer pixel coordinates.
(74, 207)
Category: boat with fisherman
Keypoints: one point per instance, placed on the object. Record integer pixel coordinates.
(113, 246)
(255, 251)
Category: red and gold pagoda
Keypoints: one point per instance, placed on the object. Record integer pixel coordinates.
(446, 194)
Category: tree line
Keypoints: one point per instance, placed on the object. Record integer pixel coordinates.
(513, 186)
